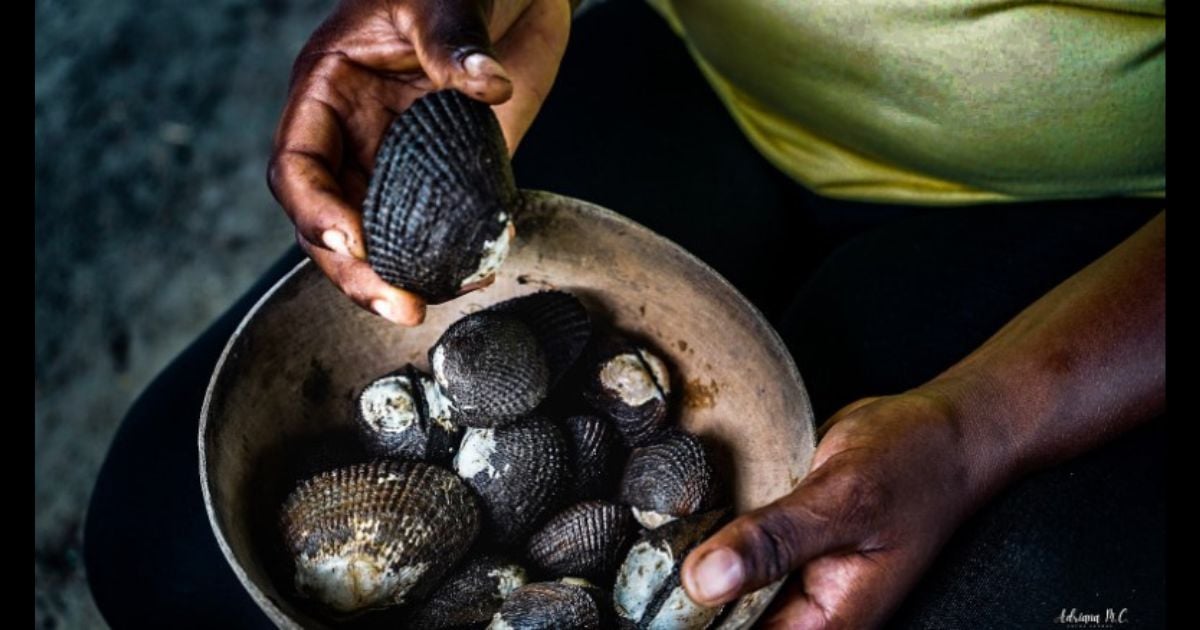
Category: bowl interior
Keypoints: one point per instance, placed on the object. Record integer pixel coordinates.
(280, 402)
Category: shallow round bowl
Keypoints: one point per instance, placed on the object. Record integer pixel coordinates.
(280, 401)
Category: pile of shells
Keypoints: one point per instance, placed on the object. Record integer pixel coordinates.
(505, 493)
(531, 478)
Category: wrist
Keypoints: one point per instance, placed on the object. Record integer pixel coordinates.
(981, 415)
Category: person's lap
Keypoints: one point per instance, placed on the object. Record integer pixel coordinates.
(636, 129)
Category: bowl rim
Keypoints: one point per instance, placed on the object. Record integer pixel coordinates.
(268, 605)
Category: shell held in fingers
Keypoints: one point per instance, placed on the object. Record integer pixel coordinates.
(568, 603)
(648, 593)
(630, 384)
(470, 595)
(669, 478)
(491, 367)
(377, 534)
(439, 207)
(405, 415)
(519, 472)
(586, 540)
(597, 455)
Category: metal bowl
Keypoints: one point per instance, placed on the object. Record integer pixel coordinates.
(279, 404)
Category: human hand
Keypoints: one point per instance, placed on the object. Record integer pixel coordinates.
(890, 481)
(364, 65)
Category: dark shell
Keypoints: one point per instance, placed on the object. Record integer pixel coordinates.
(377, 534)
(586, 540)
(520, 473)
(442, 196)
(631, 385)
(559, 320)
(553, 606)
(671, 477)
(596, 456)
(492, 369)
(396, 419)
(648, 592)
(470, 596)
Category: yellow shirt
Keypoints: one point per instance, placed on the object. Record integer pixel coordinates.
(942, 101)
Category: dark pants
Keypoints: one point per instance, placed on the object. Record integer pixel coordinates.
(872, 299)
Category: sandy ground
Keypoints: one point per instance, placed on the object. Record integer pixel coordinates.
(152, 126)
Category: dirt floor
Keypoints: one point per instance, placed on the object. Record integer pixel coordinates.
(152, 126)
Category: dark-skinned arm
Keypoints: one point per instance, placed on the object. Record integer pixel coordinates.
(894, 476)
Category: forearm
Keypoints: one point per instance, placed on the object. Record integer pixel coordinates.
(1079, 366)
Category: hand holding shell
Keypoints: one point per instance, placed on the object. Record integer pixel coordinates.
(379, 62)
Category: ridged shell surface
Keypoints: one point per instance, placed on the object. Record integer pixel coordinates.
(560, 322)
(492, 369)
(520, 472)
(631, 385)
(648, 593)
(439, 207)
(470, 595)
(404, 414)
(554, 606)
(587, 540)
(597, 456)
(669, 478)
(377, 534)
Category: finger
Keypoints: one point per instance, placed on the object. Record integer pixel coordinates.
(358, 281)
(851, 591)
(455, 49)
(792, 610)
(301, 176)
(531, 49)
(832, 510)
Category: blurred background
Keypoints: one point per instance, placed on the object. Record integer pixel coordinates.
(152, 126)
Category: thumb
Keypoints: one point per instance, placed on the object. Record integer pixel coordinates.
(455, 50)
(832, 510)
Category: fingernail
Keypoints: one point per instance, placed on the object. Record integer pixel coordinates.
(718, 574)
(335, 240)
(385, 310)
(481, 66)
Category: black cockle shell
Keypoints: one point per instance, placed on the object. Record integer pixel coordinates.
(568, 603)
(491, 367)
(647, 593)
(405, 415)
(470, 595)
(669, 478)
(630, 384)
(439, 208)
(597, 456)
(586, 540)
(520, 473)
(377, 534)
(560, 322)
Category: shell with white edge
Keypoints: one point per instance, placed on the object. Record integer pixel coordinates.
(403, 414)
(630, 384)
(670, 478)
(470, 595)
(648, 593)
(377, 534)
(520, 472)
